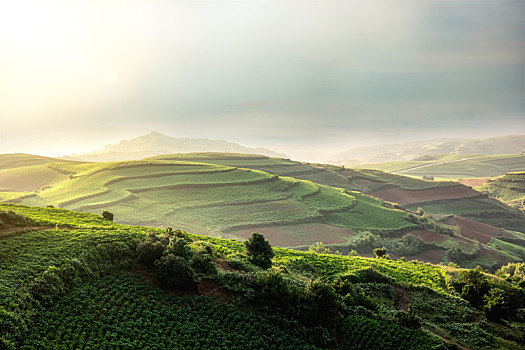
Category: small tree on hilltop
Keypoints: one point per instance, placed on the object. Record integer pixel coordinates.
(259, 251)
(107, 215)
(381, 253)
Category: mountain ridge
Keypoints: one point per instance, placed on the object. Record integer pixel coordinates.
(155, 143)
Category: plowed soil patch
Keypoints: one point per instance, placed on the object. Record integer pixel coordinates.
(401, 196)
(473, 182)
(429, 236)
(300, 234)
(475, 230)
(431, 255)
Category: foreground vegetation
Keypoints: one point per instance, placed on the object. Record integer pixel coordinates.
(130, 287)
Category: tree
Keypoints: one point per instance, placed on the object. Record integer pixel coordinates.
(107, 215)
(259, 251)
(319, 248)
(381, 253)
(174, 271)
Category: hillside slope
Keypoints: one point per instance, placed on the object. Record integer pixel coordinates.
(509, 188)
(74, 280)
(412, 150)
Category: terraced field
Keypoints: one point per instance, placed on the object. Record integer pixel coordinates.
(214, 199)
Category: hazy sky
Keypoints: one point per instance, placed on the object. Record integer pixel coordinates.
(301, 77)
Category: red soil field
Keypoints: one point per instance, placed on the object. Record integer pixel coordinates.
(300, 234)
(428, 236)
(401, 196)
(431, 255)
(473, 182)
(481, 232)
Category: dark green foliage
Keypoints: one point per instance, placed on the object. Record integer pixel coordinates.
(409, 319)
(496, 304)
(107, 215)
(149, 250)
(174, 271)
(259, 251)
(380, 253)
(180, 247)
(472, 285)
(365, 333)
(322, 301)
(203, 263)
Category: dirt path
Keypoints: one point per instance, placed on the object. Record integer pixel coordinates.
(462, 347)
(404, 298)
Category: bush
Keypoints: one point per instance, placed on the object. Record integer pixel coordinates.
(148, 251)
(380, 253)
(496, 304)
(203, 263)
(174, 271)
(259, 251)
(180, 247)
(107, 215)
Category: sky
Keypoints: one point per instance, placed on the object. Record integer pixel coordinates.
(307, 78)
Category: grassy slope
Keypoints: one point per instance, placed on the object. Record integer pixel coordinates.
(27, 256)
(453, 167)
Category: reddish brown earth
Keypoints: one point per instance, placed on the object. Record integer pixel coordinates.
(481, 232)
(300, 234)
(429, 236)
(431, 255)
(401, 196)
(473, 182)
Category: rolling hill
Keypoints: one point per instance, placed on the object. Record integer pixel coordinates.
(155, 143)
(293, 204)
(75, 280)
(510, 144)
(454, 166)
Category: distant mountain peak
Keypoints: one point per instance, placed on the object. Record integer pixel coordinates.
(155, 143)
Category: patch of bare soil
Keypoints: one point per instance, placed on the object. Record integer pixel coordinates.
(473, 182)
(481, 232)
(404, 298)
(298, 234)
(362, 181)
(429, 236)
(430, 255)
(403, 197)
(462, 347)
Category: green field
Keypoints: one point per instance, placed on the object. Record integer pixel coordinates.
(455, 166)
(80, 286)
